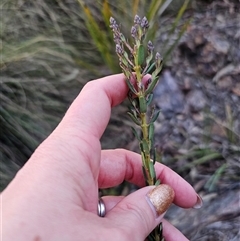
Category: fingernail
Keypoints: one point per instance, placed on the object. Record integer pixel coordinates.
(161, 198)
(199, 202)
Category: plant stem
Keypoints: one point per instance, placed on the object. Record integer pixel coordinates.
(147, 158)
(135, 65)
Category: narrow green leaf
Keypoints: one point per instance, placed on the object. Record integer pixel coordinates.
(145, 146)
(135, 133)
(126, 72)
(152, 85)
(156, 156)
(149, 100)
(142, 104)
(150, 68)
(124, 61)
(134, 101)
(151, 131)
(145, 175)
(141, 147)
(154, 118)
(157, 69)
(134, 118)
(130, 86)
(140, 55)
(152, 170)
(125, 54)
(149, 58)
(160, 230)
(151, 237)
(157, 182)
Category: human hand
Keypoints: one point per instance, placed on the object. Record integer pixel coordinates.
(55, 195)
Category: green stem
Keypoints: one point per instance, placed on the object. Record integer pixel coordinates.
(144, 127)
(147, 156)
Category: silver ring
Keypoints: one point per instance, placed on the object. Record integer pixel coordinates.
(101, 208)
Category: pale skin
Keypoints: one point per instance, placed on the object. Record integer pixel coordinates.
(55, 195)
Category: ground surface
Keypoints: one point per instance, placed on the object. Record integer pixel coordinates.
(204, 112)
(206, 69)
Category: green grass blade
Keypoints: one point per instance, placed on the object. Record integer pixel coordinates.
(153, 9)
(211, 183)
(171, 48)
(202, 160)
(179, 16)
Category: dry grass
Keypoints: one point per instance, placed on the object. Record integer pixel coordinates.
(47, 55)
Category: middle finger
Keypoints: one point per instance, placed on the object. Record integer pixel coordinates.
(119, 165)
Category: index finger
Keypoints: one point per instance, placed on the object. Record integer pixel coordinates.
(92, 108)
(119, 165)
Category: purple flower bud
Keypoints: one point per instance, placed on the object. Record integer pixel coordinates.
(133, 32)
(113, 24)
(137, 19)
(150, 46)
(116, 39)
(112, 21)
(144, 23)
(149, 81)
(119, 49)
(158, 57)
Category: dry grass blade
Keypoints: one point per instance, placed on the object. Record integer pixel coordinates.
(106, 11)
(40, 75)
(98, 36)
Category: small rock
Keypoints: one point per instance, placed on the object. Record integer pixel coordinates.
(198, 117)
(218, 130)
(196, 101)
(199, 40)
(225, 83)
(236, 89)
(224, 71)
(168, 96)
(220, 45)
(187, 85)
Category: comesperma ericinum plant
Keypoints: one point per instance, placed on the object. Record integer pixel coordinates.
(137, 61)
(135, 65)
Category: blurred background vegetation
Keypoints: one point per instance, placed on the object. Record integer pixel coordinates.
(49, 50)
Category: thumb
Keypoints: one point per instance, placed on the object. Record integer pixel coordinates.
(140, 212)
